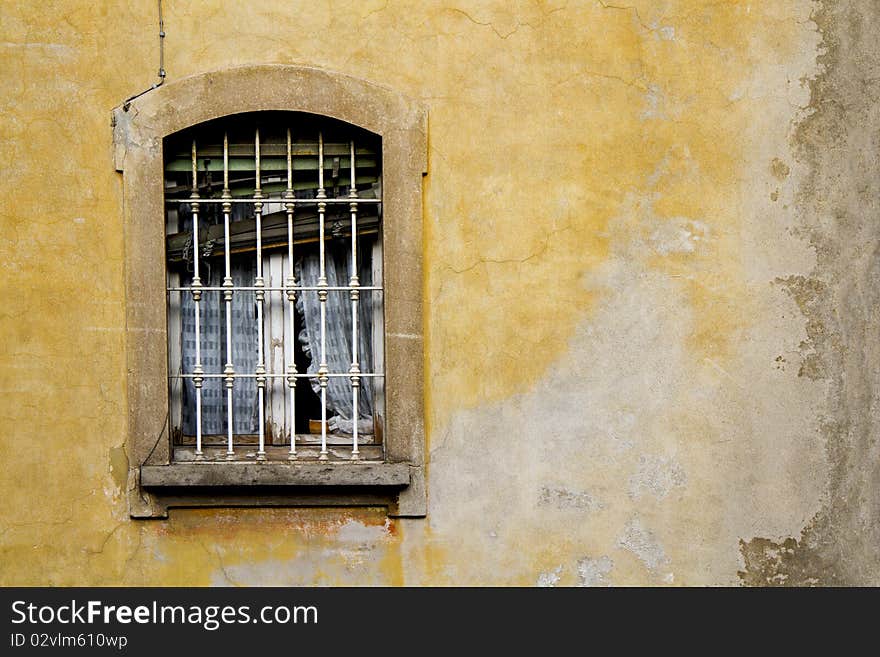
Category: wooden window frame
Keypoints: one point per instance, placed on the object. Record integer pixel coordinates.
(139, 127)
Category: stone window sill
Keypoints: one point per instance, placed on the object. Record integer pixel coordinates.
(277, 475)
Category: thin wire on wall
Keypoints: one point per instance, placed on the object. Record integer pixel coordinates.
(161, 73)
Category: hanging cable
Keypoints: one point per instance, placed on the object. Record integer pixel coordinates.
(161, 74)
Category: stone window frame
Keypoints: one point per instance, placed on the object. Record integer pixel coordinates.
(155, 483)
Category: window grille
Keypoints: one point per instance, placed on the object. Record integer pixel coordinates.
(274, 283)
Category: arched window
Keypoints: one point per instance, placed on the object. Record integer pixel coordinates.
(274, 255)
(283, 232)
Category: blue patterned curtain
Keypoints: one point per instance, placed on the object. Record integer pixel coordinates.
(244, 352)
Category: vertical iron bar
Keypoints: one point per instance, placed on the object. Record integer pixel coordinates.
(260, 299)
(229, 369)
(196, 288)
(291, 300)
(322, 297)
(354, 283)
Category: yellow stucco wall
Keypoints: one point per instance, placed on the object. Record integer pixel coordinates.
(619, 381)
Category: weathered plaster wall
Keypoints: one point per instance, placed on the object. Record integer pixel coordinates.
(651, 298)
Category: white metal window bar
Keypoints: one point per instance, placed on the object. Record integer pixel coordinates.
(289, 289)
(291, 296)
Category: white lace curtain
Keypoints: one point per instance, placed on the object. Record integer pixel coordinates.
(338, 334)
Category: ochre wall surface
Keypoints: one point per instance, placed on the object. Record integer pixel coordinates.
(651, 295)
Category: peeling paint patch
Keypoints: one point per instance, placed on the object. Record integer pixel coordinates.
(656, 476)
(809, 295)
(550, 578)
(562, 498)
(785, 563)
(666, 33)
(653, 99)
(641, 542)
(678, 235)
(365, 536)
(779, 169)
(118, 465)
(593, 572)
